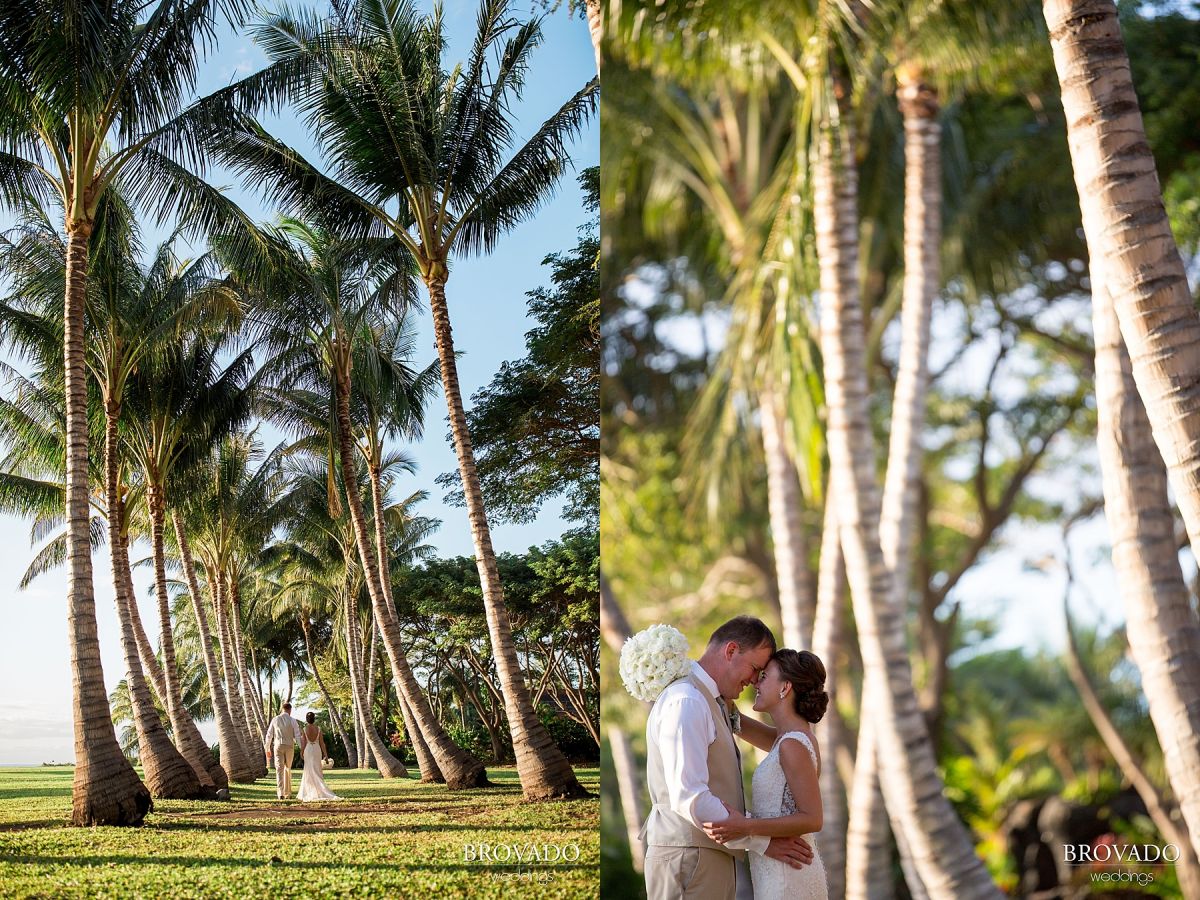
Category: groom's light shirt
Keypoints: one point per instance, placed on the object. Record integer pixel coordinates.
(682, 727)
(283, 730)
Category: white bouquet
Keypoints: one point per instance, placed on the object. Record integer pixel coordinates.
(327, 763)
(652, 659)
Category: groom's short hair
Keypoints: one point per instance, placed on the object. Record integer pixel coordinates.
(287, 707)
(747, 632)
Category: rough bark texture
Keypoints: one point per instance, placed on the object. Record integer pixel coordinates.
(254, 714)
(828, 634)
(234, 757)
(940, 844)
(430, 773)
(544, 772)
(787, 528)
(595, 28)
(166, 773)
(105, 790)
(251, 742)
(1164, 637)
(389, 766)
(461, 769)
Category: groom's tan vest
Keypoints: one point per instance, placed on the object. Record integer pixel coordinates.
(665, 827)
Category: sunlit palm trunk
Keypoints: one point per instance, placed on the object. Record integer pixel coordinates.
(105, 790)
(940, 844)
(425, 760)
(389, 766)
(251, 742)
(334, 717)
(187, 737)
(1129, 237)
(461, 769)
(1164, 637)
(149, 661)
(919, 107)
(828, 634)
(787, 528)
(235, 758)
(167, 773)
(254, 715)
(543, 769)
(595, 28)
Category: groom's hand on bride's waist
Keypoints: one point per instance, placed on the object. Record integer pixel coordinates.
(795, 851)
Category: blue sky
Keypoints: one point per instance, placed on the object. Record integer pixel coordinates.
(488, 311)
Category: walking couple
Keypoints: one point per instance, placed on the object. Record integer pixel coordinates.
(279, 743)
(698, 835)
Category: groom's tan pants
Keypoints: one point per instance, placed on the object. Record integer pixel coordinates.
(283, 770)
(695, 873)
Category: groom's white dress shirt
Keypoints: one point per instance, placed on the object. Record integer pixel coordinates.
(682, 727)
(283, 731)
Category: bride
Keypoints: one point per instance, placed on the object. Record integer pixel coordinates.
(312, 746)
(785, 794)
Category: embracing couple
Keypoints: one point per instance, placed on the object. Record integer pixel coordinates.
(699, 836)
(279, 743)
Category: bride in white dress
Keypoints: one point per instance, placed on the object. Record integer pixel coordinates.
(312, 743)
(785, 793)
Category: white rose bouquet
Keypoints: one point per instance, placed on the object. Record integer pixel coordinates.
(652, 659)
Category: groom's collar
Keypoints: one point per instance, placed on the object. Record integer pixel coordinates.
(705, 679)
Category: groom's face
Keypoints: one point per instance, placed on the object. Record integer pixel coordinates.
(745, 667)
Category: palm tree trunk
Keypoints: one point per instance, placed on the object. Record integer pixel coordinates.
(940, 844)
(237, 710)
(389, 766)
(430, 773)
(787, 527)
(1187, 869)
(919, 107)
(543, 770)
(106, 790)
(234, 757)
(461, 769)
(828, 628)
(167, 773)
(246, 683)
(329, 705)
(1130, 240)
(371, 660)
(1164, 638)
(187, 737)
(149, 661)
(595, 28)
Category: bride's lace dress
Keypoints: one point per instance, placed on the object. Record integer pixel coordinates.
(312, 786)
(770, 798)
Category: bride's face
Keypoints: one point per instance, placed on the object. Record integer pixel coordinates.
(768, 688)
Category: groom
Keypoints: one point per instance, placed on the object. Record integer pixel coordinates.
(693, 765)
(279, 743)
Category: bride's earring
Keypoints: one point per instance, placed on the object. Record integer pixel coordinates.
(782, 694)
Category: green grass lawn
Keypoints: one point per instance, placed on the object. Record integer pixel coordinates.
(386, 839)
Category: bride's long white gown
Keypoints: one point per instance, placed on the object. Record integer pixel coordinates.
(312, 786)
(770, 798)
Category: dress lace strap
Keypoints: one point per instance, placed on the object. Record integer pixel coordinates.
(804, 739)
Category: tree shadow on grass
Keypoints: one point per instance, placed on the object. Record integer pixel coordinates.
(317, 828)
(233, 863)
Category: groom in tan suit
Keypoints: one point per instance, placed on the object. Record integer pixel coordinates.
(283, 734)
(693, 766)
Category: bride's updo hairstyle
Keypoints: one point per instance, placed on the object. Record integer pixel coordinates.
(806, 673)
(310, 718)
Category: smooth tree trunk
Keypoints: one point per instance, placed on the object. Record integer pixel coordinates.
(254, 715)
(796, 604)
(388, 765)
(1164, 638)
(106, 790)
(828, 635)
(940, 844)
(166, 773)
(1129, 239)
(430, 773)
(919, 107)
(235, 759)
(334, 718)
(187, 737)
(252, 743)
(462, 770)
(1187, 869)
(595, 21)
(543, 770)
(150, 666)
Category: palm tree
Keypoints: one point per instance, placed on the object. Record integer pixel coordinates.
(1134, 254)
(326, 301)
(96, 92)
(401, 130)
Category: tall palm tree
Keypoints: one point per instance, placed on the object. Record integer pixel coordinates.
(441, 146)
(95, 92)
(1134, 253)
